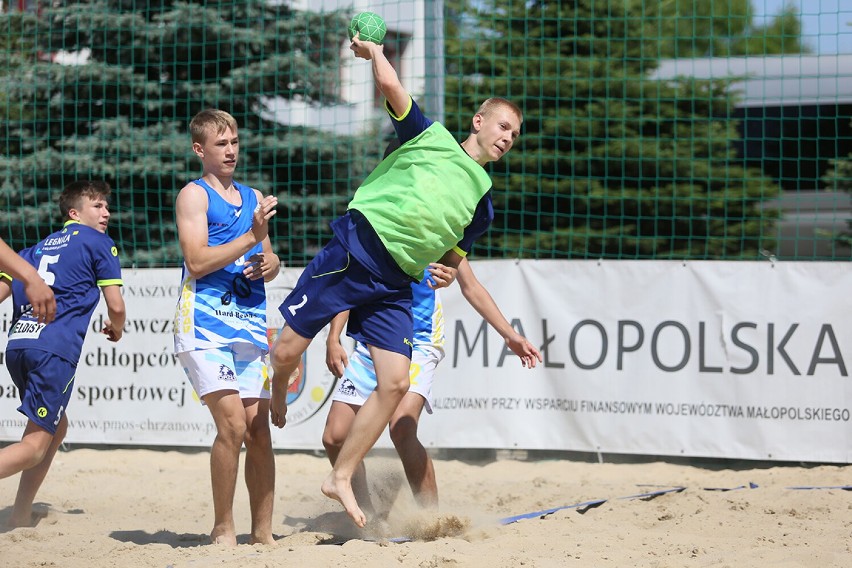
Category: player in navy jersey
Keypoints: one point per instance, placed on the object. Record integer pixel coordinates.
(39, 294)
(76, 262)
(220, 320)
(412, 210)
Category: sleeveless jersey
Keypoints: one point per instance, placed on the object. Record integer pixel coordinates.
(420, 198)
(74, 262)
(428, 313)
(223, 307)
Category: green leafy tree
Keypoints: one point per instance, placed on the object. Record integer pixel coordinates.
(609, 163)
(109, 89)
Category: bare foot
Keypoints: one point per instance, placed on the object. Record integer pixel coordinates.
(223, 537)
(30, 519)
(266, 539)
(341, 490)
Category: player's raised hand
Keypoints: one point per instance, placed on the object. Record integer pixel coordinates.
(264, 211)
(364, 49)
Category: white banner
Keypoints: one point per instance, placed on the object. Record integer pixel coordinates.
(716, 359)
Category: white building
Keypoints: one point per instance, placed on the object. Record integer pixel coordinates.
(418, 62)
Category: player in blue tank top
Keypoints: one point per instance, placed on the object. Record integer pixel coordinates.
(78, 262)
(220, 320)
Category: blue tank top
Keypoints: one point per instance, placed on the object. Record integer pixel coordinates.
(223, 307)
(428, 314)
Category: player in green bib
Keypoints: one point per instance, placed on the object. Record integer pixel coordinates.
(425, 203)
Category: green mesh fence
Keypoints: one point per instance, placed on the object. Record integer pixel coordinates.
(654, 129)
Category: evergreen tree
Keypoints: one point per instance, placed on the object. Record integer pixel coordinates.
(609, 163)
(109, 89)
(839, 178)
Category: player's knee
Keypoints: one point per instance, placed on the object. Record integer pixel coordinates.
(332, 441)
(396, 386)
(258, 434)
(232, 432)
(284, 355)
(34, 456)
(403, 431)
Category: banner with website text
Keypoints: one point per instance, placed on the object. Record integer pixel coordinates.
(713, 359)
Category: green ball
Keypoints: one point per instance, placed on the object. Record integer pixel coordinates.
(369, 26)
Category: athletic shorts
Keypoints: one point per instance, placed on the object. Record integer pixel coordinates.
(237, 367)
(359, 377)
(45, 382)
(334, 281)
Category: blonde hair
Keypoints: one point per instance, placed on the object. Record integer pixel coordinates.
(210, 119)
(489, 105)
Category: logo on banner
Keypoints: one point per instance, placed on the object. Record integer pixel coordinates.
(309, 387)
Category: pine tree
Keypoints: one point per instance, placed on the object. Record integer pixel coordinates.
(610, 163)
(108, 91)
(839, 178)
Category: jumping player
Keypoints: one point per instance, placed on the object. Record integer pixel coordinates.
(412, 210)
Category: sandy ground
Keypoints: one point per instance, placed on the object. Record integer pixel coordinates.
(138, 507)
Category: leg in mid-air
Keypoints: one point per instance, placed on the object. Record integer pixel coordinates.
(285, 355)
(337, 427)
(367, 426)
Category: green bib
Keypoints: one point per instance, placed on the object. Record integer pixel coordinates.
(420, 198)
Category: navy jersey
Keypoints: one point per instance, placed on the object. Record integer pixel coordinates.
(354, 231)
(75, 262)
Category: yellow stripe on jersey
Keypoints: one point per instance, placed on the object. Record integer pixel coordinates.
(403, 115)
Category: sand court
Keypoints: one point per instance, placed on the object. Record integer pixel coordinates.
(140, 507)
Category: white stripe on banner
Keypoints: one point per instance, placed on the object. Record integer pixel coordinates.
(716, 359)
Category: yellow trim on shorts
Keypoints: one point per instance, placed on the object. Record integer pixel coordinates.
(6, 276)
(459, 251)
(348, 262)
(69, 383)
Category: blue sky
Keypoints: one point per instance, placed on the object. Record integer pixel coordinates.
(825, 23)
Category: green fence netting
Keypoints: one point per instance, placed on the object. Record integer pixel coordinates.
(654, 129)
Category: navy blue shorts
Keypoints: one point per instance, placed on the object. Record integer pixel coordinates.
(334, 281)
(44, 381)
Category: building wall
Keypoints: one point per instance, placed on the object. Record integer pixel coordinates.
(361, 112)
